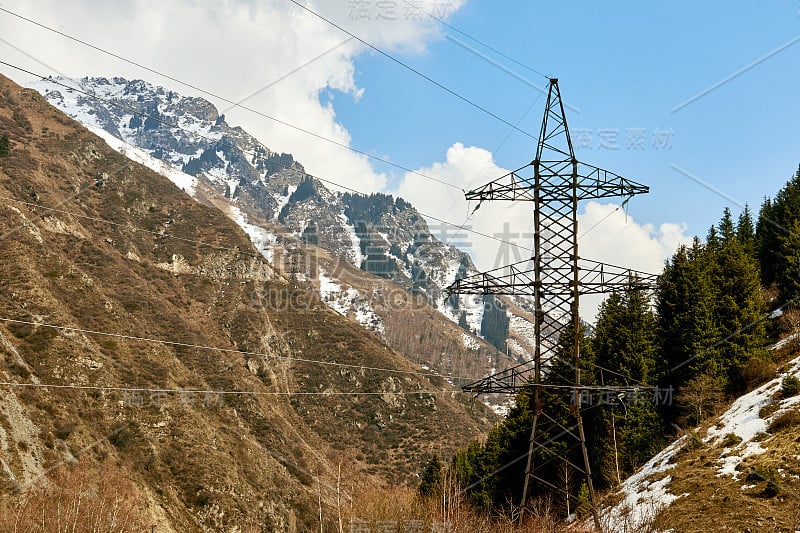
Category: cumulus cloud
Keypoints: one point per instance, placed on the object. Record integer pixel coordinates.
(233, 48)
(607, 233)
(239, 48)
(468, 167)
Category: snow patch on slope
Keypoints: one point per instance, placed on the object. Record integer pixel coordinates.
(354, 253)
(262, 239)
(183, 181)
(469, 342)
(742, 419)
(348, 302)
(646, 492)
(281, 200)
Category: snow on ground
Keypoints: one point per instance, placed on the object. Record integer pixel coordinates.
(469, 342)
(349, 301)
(181, 180)
(67, 100)
(645, 495)
(501, 409)
(742, 419)
(473, 307)
(355, 249)
(783, 342)
(524, 330)
(281, 200)
(262, 239)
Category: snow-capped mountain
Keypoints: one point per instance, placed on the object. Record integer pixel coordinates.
(280, 206)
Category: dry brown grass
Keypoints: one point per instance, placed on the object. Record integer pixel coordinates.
(76, 499)
(227, 463)
(402, 509)
(720, 504)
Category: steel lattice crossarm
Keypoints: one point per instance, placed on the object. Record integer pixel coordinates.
(556, 184)
(518, 279)
(555, 277)
(518, 377)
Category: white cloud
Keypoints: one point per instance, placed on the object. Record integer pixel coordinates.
(620, 240)
(611, 236)
(236, 47)
(232, 48)
(470, 167)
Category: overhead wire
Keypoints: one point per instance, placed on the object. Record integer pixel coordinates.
(232, 102)
(478, 41)
(412, 69)
(515, 127)
(162, 234)
(222, 350)
(157, 390)
(249, 152)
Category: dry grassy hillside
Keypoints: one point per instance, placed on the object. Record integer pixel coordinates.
(260, 456)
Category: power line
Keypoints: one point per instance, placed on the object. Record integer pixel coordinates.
(223, 350)
(249, 152)
(412, 69)
(478, 41)
(128, 226)
(219, 392)
(234, 103)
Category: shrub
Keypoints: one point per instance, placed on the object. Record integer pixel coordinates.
(4, 145)
(76, 500)
(756, 371)
(790, 386)
(770, 475)
(63, 429)
(784, 420)
(731, 440)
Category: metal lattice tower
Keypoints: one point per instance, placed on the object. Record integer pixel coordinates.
(555, 277)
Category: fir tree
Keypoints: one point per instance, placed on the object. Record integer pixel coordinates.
(685, 310)
(745, 231)
(775, 222)
(624, 340)
(738, 311)
(431, 477)
(727, 232)
(625, 432)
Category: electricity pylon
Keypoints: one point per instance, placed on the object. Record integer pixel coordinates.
(556, 276)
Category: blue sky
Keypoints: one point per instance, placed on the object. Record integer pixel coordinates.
(625, 66)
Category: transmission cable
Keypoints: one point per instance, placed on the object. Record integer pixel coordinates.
(234, 103)
(481, 43)
(155, 390)
(249, 152)
(412, 69)
(223, 350)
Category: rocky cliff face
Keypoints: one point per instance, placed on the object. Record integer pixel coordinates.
(145, 343)
(293, 217)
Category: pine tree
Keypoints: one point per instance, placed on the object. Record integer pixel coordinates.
(767, 242)
(745, 231)
(788, 254)
(431, 477)
(625, 346)
(685, 310)
(624, 339)
(775, 221)
(727, 232)
(738, 311)
(712, 238)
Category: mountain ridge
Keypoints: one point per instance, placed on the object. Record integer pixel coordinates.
(117, 283)
(379, 234)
